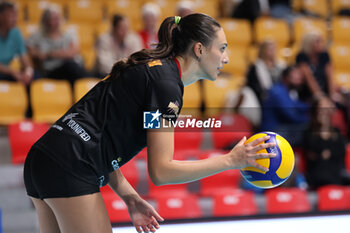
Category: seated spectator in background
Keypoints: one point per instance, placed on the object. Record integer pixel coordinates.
(184, 7)
(324, 149)
(55, 52)
(283, 112)
(250, 9)
(116, 45)
(150, 18)
(316, 67)
(11, 46)
(282, 9)
(266, 70)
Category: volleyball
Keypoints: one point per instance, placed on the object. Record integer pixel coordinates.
(280, 167)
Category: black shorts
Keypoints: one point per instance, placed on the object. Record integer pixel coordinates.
(45, 178)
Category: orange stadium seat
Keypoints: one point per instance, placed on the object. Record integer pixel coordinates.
(316, 7)
(82, 86)
(338, 5)
(222, 182)
(13, 102)
(22, 135)
(305, 25)
(340, 30)
(85, 11)
(234, 27)
(179, 207)
(50, 99)
(272, 29)
(128, 8)
(333, 197)
(287, 200)
(234, 128)
(234, 203)
(340, 56)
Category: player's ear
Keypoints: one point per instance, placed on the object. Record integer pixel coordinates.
(198, 48)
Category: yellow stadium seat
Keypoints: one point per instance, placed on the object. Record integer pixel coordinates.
(296, 5)
(283, 54)
(238, 32)
(317, 7)
(238, 61)
(216, 93)
(341, 30)
(273, 29)
(13, 102)
(192, 99)
(85, 11)
(36, 8)
(27, 29)
(340, 57)
(305, 25)
(21, 12)
(342, 80)
(337, 5)
(82, 86)
(84, 33)
(50, 99)
(89, 58)
(129, 8)
(167, 7)
(209, 7)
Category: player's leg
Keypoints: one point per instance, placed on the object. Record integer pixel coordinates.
(81, 214)
(47, 219)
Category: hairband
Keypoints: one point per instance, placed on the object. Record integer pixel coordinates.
(177, 20)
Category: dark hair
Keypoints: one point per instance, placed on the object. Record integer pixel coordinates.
(5, 5)
(288, 70)
(117, 19)
(173, 40)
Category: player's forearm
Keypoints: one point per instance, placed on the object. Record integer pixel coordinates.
(122, 187)
(176, 172)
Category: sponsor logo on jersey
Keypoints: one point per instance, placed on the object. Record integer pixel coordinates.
(174, 107)
(155, 63)
(151, 120)
(73, 125)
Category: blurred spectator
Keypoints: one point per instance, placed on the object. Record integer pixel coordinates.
(283, 112)
(282, 9)
(150, 18)
(184, 8)
(266, 70)
(11, 46)
(316, 67)
(324, 149)
(115, 45)
(55, 52)
(250, 9)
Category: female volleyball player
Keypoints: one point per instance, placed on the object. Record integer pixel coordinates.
(84, 149)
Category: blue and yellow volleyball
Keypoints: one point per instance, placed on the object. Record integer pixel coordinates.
(280, 167)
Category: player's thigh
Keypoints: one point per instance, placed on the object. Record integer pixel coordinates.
(81, 214)
(47, 219)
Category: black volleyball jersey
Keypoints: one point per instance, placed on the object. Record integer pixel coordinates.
(105, 129)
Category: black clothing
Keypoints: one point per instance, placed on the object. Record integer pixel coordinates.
(104, 130)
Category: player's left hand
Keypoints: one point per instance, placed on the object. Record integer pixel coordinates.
(144, 217)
